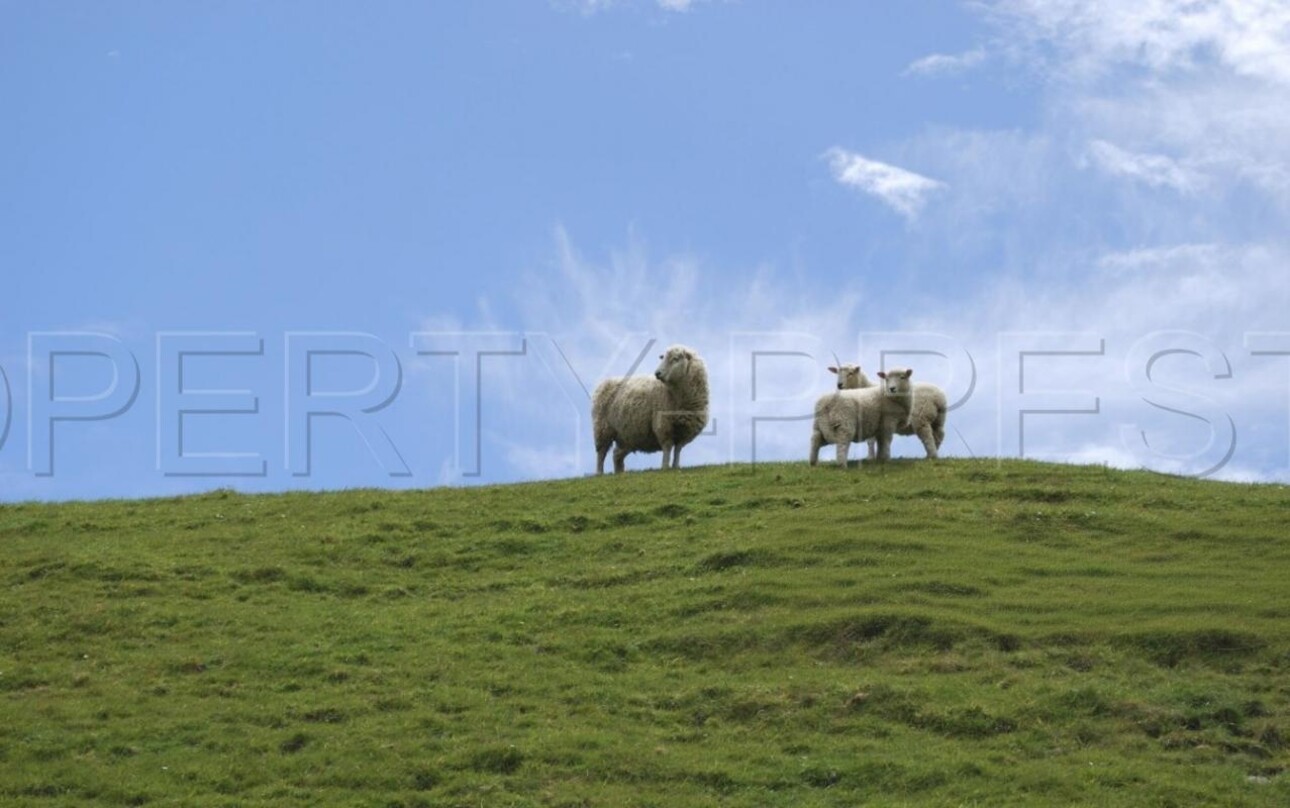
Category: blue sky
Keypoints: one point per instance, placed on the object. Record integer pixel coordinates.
(1073, 209)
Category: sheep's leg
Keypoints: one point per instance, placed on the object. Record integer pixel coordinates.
(873, 446)
(601, 451)
(676, 456)
(884, 443)
(620, 454)
(843, 448)
(667, 456)
(938, 432)
(817, 440)
(929, 442)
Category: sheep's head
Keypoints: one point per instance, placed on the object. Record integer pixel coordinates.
(896, 381)
(674, 365)
(848, 376)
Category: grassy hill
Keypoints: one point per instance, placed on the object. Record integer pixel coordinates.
(957, 632)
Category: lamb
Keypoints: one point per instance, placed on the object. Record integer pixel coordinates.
(929, 409)
(850, 377)
(644, 414)
(850, 416)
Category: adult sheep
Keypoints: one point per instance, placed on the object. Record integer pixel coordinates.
(648, 413)
(850, 416)
(929, 409)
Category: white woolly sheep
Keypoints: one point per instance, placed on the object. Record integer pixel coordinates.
(646, 414)
(850, 416)
(850, 377)
(929, 409)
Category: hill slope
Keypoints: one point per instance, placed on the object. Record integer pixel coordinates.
(925, 633)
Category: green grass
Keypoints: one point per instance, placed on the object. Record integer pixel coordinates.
(925, 633)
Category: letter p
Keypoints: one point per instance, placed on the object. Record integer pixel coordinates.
(46, 406)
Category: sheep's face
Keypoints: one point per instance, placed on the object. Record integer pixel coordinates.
(673, 365)
(896, 381)
(848, 376)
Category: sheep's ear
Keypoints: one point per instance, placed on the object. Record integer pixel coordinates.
(832, 369)
(882, 374)
(909, 373)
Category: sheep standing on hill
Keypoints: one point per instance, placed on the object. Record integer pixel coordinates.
(927, 419)
(850, 416)
(646, 414)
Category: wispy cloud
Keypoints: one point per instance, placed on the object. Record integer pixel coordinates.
(1151, 259)
(1155, 170)
(1200, 91)
(941, 64)
(1173, 353)
(902, 190)
(1233, 131)
(1249, 37)
(1174, 96)
(606, 308)
(1215, 291)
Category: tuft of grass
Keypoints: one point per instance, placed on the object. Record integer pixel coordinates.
(1216, 645)
(950, 632)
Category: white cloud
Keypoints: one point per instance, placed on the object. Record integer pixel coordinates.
(902, 190)
(1217, 290)
(940, 64)
(1207, 83)
(611, 305)
(1155, 170)
(1189, 97)
(1234, 132)
(1151, 300)
(1150, 259)
(1157, 94)
(1249, 37)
